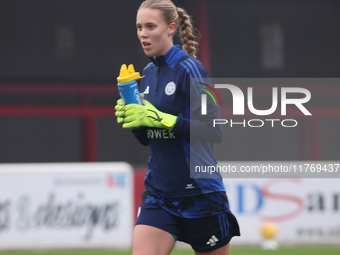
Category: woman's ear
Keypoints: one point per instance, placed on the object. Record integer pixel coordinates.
(172, 28)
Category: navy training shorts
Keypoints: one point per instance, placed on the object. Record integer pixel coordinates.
(203, 234)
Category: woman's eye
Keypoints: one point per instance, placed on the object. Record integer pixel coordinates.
(151, 26)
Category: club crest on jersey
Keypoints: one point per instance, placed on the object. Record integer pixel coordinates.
(170, 88)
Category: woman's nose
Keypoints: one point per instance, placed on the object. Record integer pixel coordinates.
(143, 33)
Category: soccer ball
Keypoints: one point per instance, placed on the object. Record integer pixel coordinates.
(269, 230)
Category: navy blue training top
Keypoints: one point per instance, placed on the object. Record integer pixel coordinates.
(167, 86)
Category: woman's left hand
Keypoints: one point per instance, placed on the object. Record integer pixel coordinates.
(148, 116)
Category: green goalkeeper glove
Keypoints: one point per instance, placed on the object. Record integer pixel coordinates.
(148, 116)
(120, 110)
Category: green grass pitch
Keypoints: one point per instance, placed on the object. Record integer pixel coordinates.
(308, 250)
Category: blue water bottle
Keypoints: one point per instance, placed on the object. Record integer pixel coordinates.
(127, 85)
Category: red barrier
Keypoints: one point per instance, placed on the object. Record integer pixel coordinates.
(90, 113)
(139, 175)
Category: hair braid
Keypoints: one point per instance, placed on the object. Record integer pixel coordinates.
(186, 31)
(171, 13)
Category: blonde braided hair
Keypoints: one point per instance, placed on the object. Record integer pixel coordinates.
(179, 16)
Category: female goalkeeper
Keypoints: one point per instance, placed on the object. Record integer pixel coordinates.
(177, 204)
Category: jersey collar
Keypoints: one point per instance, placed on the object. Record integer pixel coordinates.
(170, 58)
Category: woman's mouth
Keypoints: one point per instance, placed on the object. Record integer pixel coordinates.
(146, 45)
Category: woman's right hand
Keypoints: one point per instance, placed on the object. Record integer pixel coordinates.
(120, 111)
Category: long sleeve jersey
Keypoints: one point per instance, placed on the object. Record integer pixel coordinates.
(172, 84)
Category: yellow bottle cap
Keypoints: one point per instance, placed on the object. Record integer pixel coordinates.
(128, 74)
